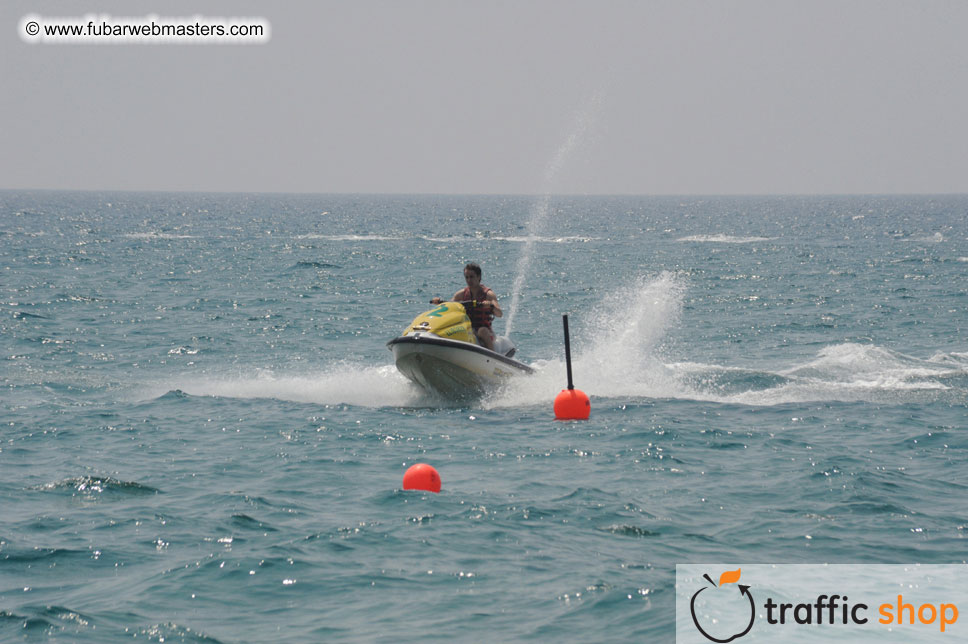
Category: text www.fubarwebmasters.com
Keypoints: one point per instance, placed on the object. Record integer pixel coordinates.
(94, 29)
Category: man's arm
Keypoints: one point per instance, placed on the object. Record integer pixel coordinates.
(437, 300)
(491, 299)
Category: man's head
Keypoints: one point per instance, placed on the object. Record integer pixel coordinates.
(472, 274)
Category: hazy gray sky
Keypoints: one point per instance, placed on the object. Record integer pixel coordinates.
(444, 96)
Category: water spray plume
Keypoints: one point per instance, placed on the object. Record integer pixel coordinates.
(539, 212)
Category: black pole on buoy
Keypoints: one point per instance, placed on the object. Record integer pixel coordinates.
(564, 319)
(571, 403)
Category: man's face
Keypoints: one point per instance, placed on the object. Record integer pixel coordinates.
(473, 281)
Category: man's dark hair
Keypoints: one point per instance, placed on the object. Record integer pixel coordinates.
(474, 267)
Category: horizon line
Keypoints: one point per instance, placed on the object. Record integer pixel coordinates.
(491, 194)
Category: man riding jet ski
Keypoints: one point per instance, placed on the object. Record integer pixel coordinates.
(481, 305)
(452, 350)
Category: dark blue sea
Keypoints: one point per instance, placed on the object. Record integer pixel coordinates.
(203, 435)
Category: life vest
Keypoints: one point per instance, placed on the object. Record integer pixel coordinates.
(478, 314)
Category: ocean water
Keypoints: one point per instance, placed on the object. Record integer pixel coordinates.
(203, 436)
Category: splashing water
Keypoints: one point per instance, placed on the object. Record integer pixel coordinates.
(615, 347)
(539, 213)
(342, 383)
(615, 354)
(620, 351)
(622, 336)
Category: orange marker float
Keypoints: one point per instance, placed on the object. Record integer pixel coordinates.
(422, 477)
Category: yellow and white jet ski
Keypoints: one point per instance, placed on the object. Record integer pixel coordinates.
(440, 352)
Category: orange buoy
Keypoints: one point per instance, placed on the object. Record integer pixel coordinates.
(571, 403)
(422, 477)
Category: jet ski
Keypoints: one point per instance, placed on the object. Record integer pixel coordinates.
(440, 352)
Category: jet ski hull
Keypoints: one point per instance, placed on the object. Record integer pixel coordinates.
(450, 367)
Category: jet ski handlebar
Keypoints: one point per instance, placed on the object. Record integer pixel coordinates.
(464, 302)
(475, 302)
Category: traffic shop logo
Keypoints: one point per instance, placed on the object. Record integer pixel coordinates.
(730, 596)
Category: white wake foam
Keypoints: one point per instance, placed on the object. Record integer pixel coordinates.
(925, 238)
(452, 239)
(620, 351)
(846, 372)
(351, 237)
(724, 239)
(360, 385)
(153, 235)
